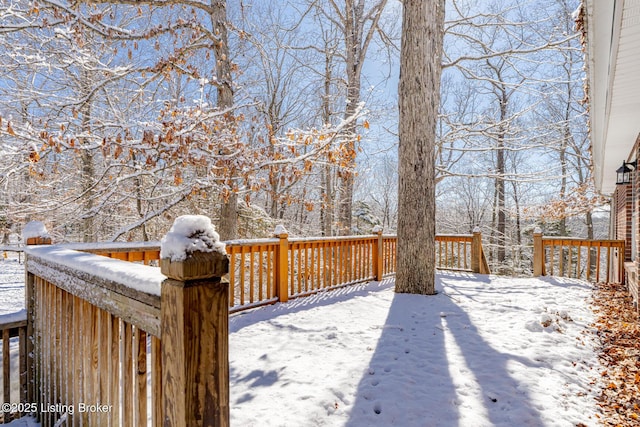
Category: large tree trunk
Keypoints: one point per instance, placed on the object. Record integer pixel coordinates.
(327, 206)
(501, 231)
(228, 223)
(353, 23)
(419, 100)
(501, 228)
(88, 169)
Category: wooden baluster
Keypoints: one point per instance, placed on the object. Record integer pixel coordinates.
(269, 255)
(232, 276)
(358, 260)
(335, 276)
(322, 265)
(305, 277)
(598, 263)
(127, 375)
(24, 373)
(114, 369)
(57, 346)
(608, 264)
(243, 250)
(6, 366)
(37, 348)
(360, 270)
(67, 349)
(261, 269)
(251, 275)
(103, 348)
(46, 350)
(346, 255)
(77, 359)
(90, 359)
(156, 382)
(337, 263)
(140, 368)
(293, 266)
(29, 302)
(589, 261)
(313, 249)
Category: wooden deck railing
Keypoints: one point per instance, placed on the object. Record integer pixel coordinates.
(264, 271)
(461, 252)
(591, 260)
(14, 326)
(106, 352)
(5, 249)
(91, 335)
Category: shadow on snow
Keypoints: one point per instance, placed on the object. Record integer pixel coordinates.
(411, 380)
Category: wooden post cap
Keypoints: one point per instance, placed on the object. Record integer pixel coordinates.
(197, 265)
(38, 241)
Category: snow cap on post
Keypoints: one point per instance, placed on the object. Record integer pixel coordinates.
(192, 250)
(476, 229)
(188, 234)
(537, 230)
(280, 230)
(377, 229)
(35, 233)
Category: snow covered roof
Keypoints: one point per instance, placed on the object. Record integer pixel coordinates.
(612, 31)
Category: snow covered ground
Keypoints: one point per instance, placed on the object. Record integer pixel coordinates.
(485, 351)
(11, 283)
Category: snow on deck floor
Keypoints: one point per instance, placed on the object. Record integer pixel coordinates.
(485, 351)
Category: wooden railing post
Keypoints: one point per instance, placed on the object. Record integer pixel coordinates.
(377, 255)
(282, 264)
(34, 233)
(538, 253)
(194, 315)
(476, 251)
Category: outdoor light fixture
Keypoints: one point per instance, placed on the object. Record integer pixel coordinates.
(624, 172)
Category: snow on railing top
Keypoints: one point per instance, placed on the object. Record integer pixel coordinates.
(11, 318)
(139, 277)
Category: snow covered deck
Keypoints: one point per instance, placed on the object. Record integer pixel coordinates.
(485, 351)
